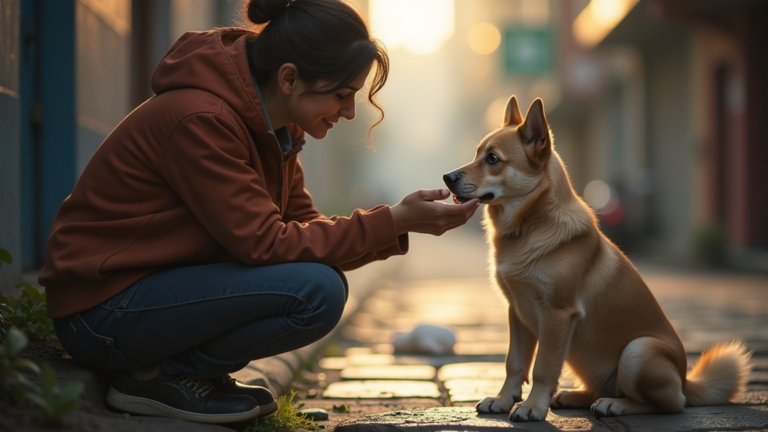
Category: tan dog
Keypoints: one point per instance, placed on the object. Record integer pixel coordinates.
(575, 293)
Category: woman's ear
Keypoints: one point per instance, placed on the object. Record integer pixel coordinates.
(287, 78)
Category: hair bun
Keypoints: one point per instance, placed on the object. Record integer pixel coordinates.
(262, 11)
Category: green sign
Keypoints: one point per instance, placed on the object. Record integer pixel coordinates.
(527, 51)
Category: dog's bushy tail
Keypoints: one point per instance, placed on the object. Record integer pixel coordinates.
(719, 375)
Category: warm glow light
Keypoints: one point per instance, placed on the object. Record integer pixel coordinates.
(484, 38)
(494, 114)
(599, 18)
(420, 26)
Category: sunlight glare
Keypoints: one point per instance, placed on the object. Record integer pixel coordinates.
(421, 27)
(599, 18)
(484, 38)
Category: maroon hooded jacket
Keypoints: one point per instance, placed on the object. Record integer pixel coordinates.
(195, 176)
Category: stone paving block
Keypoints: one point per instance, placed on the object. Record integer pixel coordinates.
(758, 377)
(381, 389)
(399, 372)
(760, 363)
(333, 363)
(339, 363)
(475, 389)
(487, 333)
(368, 334)
(454, 314)
(472, 370)
(355, 351)
(481, 348)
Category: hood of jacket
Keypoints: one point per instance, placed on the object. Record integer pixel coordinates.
(215, 61)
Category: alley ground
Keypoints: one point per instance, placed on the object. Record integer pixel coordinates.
(444, 281)
(354, 375)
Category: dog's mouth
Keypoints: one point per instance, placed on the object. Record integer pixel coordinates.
(458, 199)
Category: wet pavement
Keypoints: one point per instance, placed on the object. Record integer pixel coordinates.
(443, 281)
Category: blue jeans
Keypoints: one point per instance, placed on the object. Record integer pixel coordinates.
(209, 320)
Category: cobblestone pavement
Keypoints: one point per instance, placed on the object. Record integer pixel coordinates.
(443, 281)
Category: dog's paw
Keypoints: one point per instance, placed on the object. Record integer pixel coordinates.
(496, 405)
(527, 413)
(607, 407)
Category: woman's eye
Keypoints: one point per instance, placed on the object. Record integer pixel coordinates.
(340, 96)
(491, 158)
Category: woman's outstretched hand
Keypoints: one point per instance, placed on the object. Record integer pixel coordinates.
(418, 212)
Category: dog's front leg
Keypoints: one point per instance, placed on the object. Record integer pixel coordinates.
(521, 346)
(555, 330)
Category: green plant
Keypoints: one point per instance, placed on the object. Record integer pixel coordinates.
(12, 378)
(5, 257)
(52, 400)
(344, 408)
(27, 313)
(286, 418)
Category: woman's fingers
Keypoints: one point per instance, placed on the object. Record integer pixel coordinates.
(433, 194)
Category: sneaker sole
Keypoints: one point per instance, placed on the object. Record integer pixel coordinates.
(139, 405)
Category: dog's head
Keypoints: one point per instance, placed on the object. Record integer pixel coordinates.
(510, 162)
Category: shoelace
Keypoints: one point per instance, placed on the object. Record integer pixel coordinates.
(201, 387)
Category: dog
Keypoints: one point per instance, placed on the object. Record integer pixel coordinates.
(574, 294)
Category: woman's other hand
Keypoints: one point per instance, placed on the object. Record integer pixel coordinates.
(418, 212)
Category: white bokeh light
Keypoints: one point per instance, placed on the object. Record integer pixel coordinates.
(421, 27)
(597, 194)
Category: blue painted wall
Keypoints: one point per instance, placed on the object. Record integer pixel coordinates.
(9, 141)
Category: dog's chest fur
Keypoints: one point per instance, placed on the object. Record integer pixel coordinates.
(521, 277)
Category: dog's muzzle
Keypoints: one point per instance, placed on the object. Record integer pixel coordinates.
(450, 180)
(453, 181)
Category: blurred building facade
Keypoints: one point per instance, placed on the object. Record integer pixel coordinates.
(667, 107)
(71, 70)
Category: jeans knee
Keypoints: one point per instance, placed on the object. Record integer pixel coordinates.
(329, 297)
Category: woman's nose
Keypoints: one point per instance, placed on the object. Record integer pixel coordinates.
(348, 111)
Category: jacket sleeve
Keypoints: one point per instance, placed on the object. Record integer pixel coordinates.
(208, 165)
(300, 205)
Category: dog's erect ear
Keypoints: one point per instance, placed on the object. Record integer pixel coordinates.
(535, 131)
(512, 114)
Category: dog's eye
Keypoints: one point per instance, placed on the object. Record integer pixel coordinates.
(491, 158)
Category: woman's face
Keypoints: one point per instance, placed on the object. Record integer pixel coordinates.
(316, 113)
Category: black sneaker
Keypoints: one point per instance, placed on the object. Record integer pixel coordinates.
(262, 396)
(181, 397)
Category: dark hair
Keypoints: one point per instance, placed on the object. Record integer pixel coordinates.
(325, 39)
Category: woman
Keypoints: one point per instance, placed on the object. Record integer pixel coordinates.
(189, 245)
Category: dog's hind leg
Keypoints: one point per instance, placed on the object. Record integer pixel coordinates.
(649, 379)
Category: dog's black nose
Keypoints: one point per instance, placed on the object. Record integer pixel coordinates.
(450, 178)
